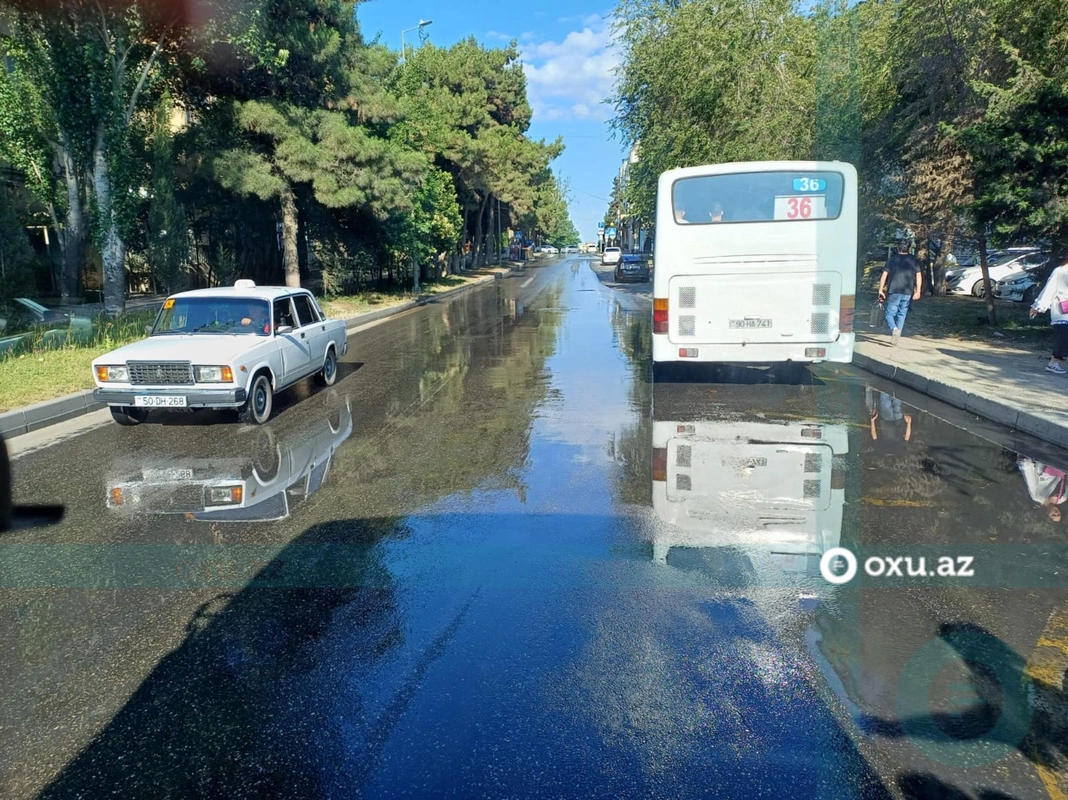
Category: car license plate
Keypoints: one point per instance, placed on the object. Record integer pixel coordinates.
(750, 323)
(160, 400)
(168, 474)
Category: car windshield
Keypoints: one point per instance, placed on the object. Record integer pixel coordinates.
(212, 315)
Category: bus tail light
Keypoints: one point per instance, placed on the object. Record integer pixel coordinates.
(659, 463)
(660, 315)
(846, 307)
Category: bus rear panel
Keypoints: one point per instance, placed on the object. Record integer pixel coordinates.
(756, 263)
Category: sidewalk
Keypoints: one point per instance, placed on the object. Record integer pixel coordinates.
(1001, 382)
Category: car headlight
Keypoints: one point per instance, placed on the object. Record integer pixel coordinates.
(213, 374)
(223, 495)
(106, 374)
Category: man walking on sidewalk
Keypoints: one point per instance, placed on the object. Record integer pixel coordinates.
(900, 284)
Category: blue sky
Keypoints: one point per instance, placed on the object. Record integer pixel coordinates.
(568, 59)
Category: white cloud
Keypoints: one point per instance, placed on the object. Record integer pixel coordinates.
(570, 79)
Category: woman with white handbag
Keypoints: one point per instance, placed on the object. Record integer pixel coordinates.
(1054, 299)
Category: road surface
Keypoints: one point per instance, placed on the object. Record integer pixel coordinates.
(497, 560)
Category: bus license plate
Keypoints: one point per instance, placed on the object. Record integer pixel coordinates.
(750, 323)
(160, 400)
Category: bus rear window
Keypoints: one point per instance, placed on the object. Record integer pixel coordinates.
(757, 197)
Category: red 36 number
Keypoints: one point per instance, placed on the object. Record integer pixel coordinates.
(799, 208)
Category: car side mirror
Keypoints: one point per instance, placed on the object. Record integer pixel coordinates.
(284, 329)
(148, 330)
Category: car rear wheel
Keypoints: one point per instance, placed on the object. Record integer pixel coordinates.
(260, 403)
(127, 415)
(327, 376)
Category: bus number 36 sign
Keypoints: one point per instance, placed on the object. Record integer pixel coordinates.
(812, 206)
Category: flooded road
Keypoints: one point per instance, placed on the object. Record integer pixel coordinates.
(497, 559)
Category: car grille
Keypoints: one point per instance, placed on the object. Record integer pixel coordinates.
(160, 372)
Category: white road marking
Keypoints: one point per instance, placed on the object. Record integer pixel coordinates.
(527, 282)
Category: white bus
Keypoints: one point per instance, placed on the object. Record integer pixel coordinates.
(765, 495)
(756, 263)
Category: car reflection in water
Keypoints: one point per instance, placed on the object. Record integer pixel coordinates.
(280, 471)
(749, 498)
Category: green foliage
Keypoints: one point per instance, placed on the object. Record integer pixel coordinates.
(707, 81)
(1020, 153)
(167, 229)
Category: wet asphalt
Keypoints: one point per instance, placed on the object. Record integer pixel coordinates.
(497, 559)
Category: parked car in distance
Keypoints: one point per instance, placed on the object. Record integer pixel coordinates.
(611, 255)
(1024, 285)
(632, 267)
(969, 280)
(24, 314)
(550, 250)
(222, 348)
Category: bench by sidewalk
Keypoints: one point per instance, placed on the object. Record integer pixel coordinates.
(998, 381)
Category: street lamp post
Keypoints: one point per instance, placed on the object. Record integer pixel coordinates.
(422, 24)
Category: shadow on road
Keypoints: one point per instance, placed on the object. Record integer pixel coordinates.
(782, 375)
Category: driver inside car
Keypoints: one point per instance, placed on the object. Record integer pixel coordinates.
(256, 317)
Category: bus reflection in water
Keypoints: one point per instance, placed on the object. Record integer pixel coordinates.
(757, 501)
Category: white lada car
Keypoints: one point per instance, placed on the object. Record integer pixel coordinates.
(222, 348)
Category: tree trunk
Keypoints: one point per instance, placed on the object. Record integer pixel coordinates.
(113, 249)
(940, 263)
(477, 249)
(289, 236)
(991, 313)
(491, 252)
(72, 236)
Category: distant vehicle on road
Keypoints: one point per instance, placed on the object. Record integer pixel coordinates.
(571, 249)
(632, 267)
(756, 263)
(611, 255)
(550, 250)
(969, 280)
(222, 348)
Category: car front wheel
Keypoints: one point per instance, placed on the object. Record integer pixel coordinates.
(260, 403)
(127, 415)
(327, 376)
(978, 290)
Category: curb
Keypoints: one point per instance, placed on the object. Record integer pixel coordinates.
(1024, 420)
(51, 412)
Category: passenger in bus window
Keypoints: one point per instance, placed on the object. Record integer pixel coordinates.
(715, 214)
(680, 216)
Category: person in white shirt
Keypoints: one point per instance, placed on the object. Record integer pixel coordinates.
(1054, 299)
(1045, 484)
